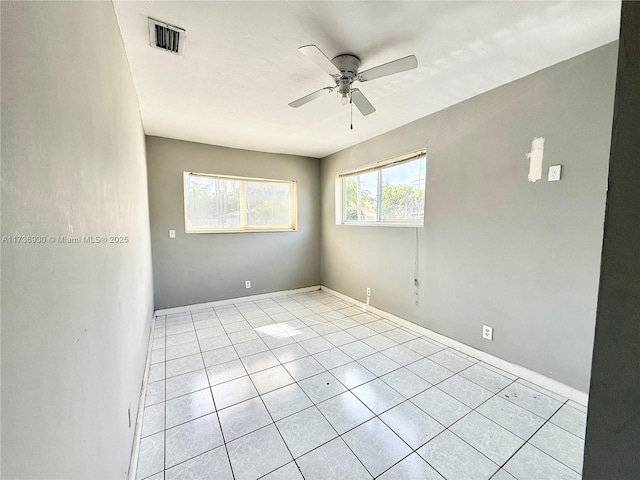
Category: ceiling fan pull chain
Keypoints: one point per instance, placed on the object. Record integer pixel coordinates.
(351, 105)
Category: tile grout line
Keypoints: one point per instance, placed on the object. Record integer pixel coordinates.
(472, 410)
(268, 412)
(408, 399)
(475, 410)
(296, 382)
(349, 390)
(224, 443)
(548, 420)
(341, 328)
(339, 435)
(314, 405)
(465, 415)
(378, 416)
(532, 435)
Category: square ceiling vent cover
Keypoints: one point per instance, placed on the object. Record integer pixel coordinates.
(166, 37)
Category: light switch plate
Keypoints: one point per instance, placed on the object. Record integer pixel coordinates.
(172, 234)
(554, 173)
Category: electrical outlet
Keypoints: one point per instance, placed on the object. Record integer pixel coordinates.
(554, 173)
(247, 284)
(368, 292)
(172, 234)
(487, 332)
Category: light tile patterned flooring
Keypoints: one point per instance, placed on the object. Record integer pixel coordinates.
(308, 386)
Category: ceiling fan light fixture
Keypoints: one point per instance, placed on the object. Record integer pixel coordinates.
(344, 89)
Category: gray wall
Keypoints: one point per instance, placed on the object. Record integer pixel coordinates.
(197, 268)
(613, 420)
(521, 257)
(75, 317)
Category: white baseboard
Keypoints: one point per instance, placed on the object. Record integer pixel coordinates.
(249, 298)
(519, 371)
(135, 449)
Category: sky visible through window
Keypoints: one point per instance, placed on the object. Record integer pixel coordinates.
(401, 188)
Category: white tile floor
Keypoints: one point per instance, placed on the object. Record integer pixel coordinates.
(308, 386)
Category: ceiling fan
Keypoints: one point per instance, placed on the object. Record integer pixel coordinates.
(343, 69)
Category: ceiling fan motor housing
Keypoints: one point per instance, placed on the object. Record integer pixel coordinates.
(348, 66)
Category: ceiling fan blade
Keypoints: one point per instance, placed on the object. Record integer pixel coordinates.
(397, 66)
(308, 98)
(361, 102)
(314, 54)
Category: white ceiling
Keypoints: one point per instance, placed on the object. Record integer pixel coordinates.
(241, 66)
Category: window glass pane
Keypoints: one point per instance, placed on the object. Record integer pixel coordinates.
(212, 202)
(388, 193)
(403, 192)
(361, 197)
(268, 204)
(232, 204)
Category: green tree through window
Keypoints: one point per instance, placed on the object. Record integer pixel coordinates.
(389, 193)
(401, 201)
(360, 203)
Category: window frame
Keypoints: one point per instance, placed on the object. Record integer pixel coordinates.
(341, 200)
(244, 228)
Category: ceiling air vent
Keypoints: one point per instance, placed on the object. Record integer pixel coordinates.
(166, 37)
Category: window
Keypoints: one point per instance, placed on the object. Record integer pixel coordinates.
(217, 203)
(386, 193)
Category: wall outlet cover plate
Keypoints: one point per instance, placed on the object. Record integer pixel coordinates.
(554, 173)
(487, 332)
